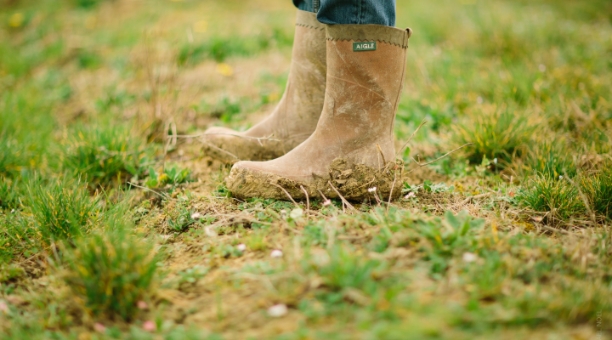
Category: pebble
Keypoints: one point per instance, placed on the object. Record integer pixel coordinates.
(277, 311)
(469, 257)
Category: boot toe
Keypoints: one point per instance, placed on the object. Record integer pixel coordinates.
(217, 144)
(229, 146)
(253, 179)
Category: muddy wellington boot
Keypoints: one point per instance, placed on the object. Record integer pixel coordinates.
(295, 117)
(351, 153)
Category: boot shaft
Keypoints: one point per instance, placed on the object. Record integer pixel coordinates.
(365, 74)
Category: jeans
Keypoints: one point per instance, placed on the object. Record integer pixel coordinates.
(332, 12)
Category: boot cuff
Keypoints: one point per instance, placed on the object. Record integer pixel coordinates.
(308, 19)
(385, 34)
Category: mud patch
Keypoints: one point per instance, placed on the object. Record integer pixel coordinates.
(354, 182)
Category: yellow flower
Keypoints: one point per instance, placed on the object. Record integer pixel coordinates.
(225, 69)
(200, 26)
(16, 20)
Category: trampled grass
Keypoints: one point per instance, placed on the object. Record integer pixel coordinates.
(114, 225)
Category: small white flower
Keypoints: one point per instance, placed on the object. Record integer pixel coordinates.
(12, 211)
(469, 257)
(196, 216)
(326, 203)
(277, 311)
(410, 195)
(241, 247)
(479, 100)
(373, 189)
(495, 160)
(560, 177)
(276, 253)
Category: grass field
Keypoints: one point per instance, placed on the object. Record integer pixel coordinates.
(114, 225)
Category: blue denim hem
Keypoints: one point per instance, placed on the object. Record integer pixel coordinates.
(346, 12)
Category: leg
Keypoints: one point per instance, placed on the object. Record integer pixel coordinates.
(352, 148)
(358, 12)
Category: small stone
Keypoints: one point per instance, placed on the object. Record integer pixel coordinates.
(4, 307)
(241, 247)
(542, 68)
(326, 203)
(196, 216)
(98, 327)
(142, 305)
(469, 257)
(296, 213)
(276, 253)
(210, 232)
(372, 189)
(410, 195)
(277, 311)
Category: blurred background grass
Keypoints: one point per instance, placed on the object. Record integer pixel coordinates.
(94, 92)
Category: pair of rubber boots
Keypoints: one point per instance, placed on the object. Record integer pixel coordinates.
(331, 134)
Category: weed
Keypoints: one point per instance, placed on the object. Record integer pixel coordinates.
(551, 161)
(14, 157)
(192, 275)
(114, 98)
(172, 175)
(179, 215)
(62, 209)
(257, 240)
(444, 238)
(225, 251)
(10, 272)
(110, 274)
(9, 193)
(559, 198)
(222, 191)
(599, 190)
(104, 154)
(499, 135)
(86, 4)
(346, 269)
(88, 59)
(315, 234)
(450, 166)
(17, 237)
(226, 109)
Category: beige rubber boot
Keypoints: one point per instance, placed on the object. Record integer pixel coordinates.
(351, 153)
(295, 117)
